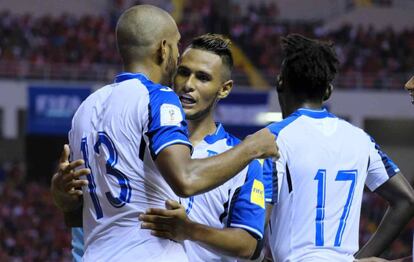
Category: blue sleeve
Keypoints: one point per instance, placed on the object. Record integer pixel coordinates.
(77, 244)
(247, 208)
(390, 166)
(166, 122)
(268, 179)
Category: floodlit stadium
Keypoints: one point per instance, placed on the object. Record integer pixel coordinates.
(54, 54)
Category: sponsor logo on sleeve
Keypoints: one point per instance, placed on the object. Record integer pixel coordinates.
(257, 195)
(170, 115)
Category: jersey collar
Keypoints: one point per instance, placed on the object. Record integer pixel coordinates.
(127, 76)
(218, 135)
(314, 113)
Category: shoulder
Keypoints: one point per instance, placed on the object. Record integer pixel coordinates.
(276, 128)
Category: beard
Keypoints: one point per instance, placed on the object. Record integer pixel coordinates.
(170, 69)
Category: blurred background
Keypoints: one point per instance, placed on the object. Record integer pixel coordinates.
(54, 53)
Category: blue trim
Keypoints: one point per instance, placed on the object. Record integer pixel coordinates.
(127, 76)
(190, 205)
(275, 128)
(218, 135)
(391, 168)
(322, 113)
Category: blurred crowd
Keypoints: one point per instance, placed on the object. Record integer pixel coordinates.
(32, 228)
(378, 56)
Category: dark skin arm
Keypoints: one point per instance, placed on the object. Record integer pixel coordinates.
(66, 184)
(400, 196)
(189, 177)
(173, 223)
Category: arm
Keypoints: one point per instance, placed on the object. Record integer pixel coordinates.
(173, 223)
(188, 176)
(400, 196)
(233, 242)
(372, 259)
(66, 183)
(74, 218)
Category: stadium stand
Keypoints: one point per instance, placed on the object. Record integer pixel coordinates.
(68, 47)
(26, 216)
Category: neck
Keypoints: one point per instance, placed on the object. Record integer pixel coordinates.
(200, 128)
(292, 105)
(153, 72)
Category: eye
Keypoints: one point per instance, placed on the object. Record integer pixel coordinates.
(203, 77)
(183, 71)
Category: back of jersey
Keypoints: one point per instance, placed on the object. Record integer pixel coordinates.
(324, 165)
(118, 131)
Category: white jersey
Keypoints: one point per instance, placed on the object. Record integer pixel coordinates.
(325, 163)
(119, 130)
(238, 203)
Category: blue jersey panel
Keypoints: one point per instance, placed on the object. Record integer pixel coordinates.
(247, 208)
(268, 179)
(167, 123)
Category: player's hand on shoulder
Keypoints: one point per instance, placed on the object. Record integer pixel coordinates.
(371, 259)
(264, 142)
(66, 181)
(170, 223)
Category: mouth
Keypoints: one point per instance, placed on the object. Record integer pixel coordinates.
(187, 100)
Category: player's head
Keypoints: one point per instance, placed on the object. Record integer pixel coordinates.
(308, 69)
(409, 86)
(204, 75)
(147, 34)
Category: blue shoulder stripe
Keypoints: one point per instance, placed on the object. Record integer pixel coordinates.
(390, 166)
(275, 128)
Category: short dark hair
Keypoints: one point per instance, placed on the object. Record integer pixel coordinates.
(219, 45)
(309, 65)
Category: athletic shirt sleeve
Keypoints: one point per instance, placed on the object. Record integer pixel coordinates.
(166, 121)
(380, 167)
(247, 208)
(268, 179)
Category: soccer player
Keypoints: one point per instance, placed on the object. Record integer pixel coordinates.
(325, 163)
(227, 222)
(133, 137)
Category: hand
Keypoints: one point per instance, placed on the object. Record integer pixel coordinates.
(66, 184)
(410, 84)
(371, 259)
(264, 142)
(171, 223)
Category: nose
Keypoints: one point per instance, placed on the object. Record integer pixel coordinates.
(189, 84)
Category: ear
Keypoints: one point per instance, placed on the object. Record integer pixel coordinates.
(225, 89)
(162, 52)
(279, 84)
(328, 92)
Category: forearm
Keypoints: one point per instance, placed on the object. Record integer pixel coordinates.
(233, 242)
(404, 259)
(206, 174)
(74, 218)
(393, 222)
